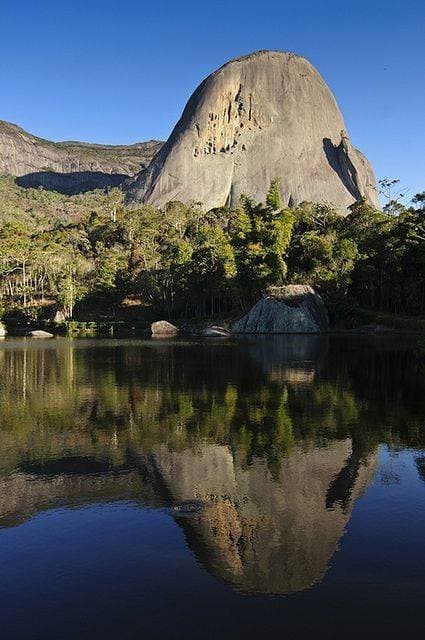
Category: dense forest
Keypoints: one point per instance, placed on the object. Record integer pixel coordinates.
(88, 254)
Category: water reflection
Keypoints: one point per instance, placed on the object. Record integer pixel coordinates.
(257, 448)
(260, 534)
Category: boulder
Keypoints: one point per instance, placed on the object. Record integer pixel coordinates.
(164, 328)
(59, 317)
(3, 331)
(39, 333)
(54, 314)
(263, 116)
(215, 332)
(287, 309)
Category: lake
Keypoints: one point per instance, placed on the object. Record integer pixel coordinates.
(245, 488)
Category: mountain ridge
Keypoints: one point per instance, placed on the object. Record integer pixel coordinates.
(69, 166)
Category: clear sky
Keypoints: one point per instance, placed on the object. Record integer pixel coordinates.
(121, 71)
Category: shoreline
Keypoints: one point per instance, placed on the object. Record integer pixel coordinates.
(141, 329)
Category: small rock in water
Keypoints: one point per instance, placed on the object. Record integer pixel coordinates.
(216, 332)
(3, 330)
(39, 333)
(188, 508)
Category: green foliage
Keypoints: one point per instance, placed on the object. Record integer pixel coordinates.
(321, 253)
(373, 258)
(419, 200)
(274, 198)
(90, 252)
(260, 236)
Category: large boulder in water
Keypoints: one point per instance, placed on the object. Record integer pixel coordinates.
(163, 328)
(290, 309)
(263, 116)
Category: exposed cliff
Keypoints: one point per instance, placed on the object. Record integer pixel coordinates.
(263, 116)
(69, 167)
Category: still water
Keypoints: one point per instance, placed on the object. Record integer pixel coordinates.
(256, 488)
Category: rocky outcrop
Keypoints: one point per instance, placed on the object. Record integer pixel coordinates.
(263, 116)
(290, 309)
(69, 167)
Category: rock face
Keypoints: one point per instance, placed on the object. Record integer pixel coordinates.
(290, 309)
(263, 116)
(69, 167)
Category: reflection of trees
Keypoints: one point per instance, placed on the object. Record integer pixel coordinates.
(275, 438)
(97, 400)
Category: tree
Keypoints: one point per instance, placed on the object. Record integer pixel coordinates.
(419, 200)
(212, 270)
(69, 273)
(274, 198)
(392, 194)
(15, 255)
(260, 236)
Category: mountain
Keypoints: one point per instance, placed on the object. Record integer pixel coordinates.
(263, 116)
(69, 167)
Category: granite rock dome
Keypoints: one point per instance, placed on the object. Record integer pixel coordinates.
(262, 116)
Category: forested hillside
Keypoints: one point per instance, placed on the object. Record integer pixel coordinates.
(90, 255)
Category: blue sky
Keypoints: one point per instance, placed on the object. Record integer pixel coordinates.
(120, 72)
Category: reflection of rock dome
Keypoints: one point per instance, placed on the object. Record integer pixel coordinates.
(260, 531)
(257, 533)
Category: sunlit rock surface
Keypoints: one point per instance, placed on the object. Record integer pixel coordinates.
(263, 116)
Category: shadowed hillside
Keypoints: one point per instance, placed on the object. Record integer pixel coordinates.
(69, 167)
